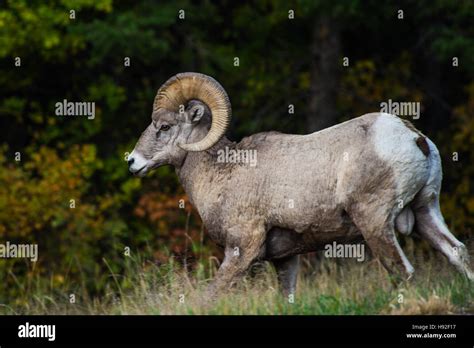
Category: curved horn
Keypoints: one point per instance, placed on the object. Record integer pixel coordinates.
(181, 88)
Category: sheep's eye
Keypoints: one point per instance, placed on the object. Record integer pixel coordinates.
(163, 128)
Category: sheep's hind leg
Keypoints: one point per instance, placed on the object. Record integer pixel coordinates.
(379, 233)
(430, 225)
(287, 272)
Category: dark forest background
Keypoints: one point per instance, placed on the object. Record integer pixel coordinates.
(282, 61)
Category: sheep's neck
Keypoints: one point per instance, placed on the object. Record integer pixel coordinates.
(200, 169)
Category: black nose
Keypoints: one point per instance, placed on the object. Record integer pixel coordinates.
(130, 161)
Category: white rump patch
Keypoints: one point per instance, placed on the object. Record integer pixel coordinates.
(395, 143)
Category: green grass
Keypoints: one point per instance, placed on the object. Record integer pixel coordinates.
(334, 287)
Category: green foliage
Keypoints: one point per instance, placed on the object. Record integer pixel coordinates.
(458, 203)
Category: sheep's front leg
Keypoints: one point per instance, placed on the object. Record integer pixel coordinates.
(244, 245)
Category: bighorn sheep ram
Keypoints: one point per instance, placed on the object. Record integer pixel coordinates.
(362, 179)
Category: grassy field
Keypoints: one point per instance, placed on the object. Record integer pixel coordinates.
(331, 287)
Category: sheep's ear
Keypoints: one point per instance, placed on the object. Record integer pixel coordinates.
(195, 113)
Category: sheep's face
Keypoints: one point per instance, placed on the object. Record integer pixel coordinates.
(159, 143)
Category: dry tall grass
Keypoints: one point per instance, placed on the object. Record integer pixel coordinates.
(332, 287)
